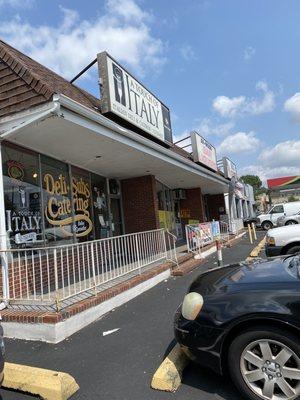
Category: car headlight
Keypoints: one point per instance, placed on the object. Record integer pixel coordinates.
(270, 241)
(192, 305)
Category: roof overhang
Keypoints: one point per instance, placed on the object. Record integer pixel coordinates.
(69, 131)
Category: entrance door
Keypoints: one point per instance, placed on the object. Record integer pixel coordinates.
(115, 209)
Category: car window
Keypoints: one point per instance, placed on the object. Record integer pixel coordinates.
(277, 209)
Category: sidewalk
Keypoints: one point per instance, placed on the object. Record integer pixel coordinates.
(120, 366)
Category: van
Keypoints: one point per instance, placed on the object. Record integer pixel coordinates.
(268, 221)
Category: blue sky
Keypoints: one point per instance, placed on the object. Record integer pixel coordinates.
(227, 68)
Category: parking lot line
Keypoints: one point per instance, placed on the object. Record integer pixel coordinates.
(256, 251)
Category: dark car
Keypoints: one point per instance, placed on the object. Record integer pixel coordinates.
(250, 220)
(245, 319)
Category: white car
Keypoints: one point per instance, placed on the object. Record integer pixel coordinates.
(269, 220)
(283, 240)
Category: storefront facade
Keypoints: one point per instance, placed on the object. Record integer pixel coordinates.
(73, 171)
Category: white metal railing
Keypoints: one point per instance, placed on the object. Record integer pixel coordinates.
(200, 235)
(53, 274)
(224, 231)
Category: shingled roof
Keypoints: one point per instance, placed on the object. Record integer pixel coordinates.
(25, 83)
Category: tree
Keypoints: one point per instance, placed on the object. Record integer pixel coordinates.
(252, 180)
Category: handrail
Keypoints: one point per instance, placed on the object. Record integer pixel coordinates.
(77, 244)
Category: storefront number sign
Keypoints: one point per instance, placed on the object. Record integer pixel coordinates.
(59, 206)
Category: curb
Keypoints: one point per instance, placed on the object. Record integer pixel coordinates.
(169, 374)
(49, 385)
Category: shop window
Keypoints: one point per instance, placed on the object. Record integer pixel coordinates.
(22, 197)
(83, 226)
(57, 200)
(166, 213)
(100, 207)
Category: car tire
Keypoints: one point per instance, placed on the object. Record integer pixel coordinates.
(246, 376)
(293, 250)
(291, 222)
(266, 225)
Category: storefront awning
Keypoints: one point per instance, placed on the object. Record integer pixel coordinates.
(71, 132)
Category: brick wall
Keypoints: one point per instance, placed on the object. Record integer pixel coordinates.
(193, 204)
(215, 202)
(140, 204)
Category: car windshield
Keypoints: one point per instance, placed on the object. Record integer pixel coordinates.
(292, 265)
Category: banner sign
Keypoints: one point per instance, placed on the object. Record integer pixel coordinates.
(215, 227)
(124, 96)
(203, 151)
(199, 235)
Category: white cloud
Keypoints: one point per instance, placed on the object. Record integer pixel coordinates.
(292, 105)
(241, 105)
(17, 3)
(123, 31)
(228, 107)
(239, 142)
(283, 154)
(207, 128)
(267, 172)
(280, 160)
(188, 53)
(249, 52)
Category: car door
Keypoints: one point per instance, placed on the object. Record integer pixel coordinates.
(276, 212)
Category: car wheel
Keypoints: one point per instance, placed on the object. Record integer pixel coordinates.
(293, 250)
(264, 364)
(267, 225)
(291, 222)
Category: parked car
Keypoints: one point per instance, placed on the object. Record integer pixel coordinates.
(289, 220)
(245, 318)
(283, 240)
(250, 220)
(269, 220)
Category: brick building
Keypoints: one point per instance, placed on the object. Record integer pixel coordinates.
(73, 170)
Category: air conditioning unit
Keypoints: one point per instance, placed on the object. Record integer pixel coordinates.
(179, 194)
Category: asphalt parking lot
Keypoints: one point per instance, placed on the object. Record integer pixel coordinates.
(120, 366)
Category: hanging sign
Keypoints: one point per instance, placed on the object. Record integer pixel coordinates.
(124, 96)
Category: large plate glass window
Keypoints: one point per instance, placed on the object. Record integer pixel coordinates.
(82, 202)
(100, 207)
(22, 196)
(57, 200)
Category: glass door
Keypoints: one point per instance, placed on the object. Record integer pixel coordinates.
(116, 217)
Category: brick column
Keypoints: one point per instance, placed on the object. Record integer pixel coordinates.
(139, 204)
(192, 206)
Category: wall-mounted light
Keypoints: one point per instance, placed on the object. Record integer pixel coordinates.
(34, 175)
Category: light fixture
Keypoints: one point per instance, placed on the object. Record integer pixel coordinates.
(34, 175)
